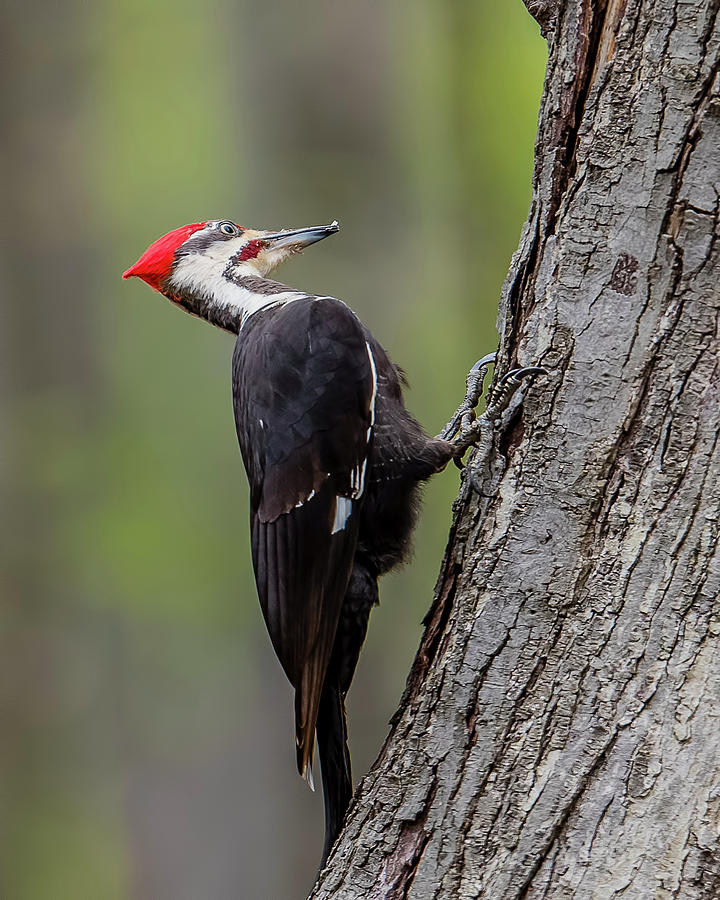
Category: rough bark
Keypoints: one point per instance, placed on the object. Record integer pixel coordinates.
(560, 731)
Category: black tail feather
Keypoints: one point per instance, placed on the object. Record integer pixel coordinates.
(334, 763)
(332, 737)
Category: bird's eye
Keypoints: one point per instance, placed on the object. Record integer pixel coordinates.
(228, 228)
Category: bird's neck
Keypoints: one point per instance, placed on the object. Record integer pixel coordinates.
(228, 300)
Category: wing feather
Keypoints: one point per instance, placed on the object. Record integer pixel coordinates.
(303, 388)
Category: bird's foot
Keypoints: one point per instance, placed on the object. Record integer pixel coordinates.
(465, 429)
(465, 414)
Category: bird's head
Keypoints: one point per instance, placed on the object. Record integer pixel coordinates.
(204, 257)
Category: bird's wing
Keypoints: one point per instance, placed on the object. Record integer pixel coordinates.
(304, 385)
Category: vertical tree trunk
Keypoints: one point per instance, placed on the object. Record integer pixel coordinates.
(560, 731)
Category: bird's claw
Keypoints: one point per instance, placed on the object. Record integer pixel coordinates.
(465, 414)
(464, 430)
(501, 394)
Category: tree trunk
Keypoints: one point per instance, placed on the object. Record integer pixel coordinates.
(560, 731)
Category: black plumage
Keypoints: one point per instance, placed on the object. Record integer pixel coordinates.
(320, 416)
(303, 391)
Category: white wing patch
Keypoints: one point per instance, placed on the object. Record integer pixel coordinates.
(357, 476)
(343, 505)
(343, 511)
(309, 497)
(357, 479)
(373, 396)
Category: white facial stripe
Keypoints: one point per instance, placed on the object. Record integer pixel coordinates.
(223, 251)
(202, 273)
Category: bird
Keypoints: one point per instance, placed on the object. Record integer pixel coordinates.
(334, 461)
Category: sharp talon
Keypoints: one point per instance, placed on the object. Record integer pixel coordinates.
(522, 373)
(465, 415)
(487, 360)
(458, 462)
(502, 393)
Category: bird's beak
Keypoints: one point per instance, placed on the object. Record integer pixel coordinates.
(300, 237)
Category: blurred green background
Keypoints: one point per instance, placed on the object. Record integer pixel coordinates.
(146, 739)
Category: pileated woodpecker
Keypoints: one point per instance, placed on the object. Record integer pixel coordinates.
(333, 458)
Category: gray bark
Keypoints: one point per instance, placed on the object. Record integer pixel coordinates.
(560, 731)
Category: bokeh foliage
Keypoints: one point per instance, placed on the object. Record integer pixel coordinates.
(146, 740)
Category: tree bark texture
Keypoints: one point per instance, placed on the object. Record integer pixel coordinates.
(559, 736)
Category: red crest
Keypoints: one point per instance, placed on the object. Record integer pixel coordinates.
(156, 262)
